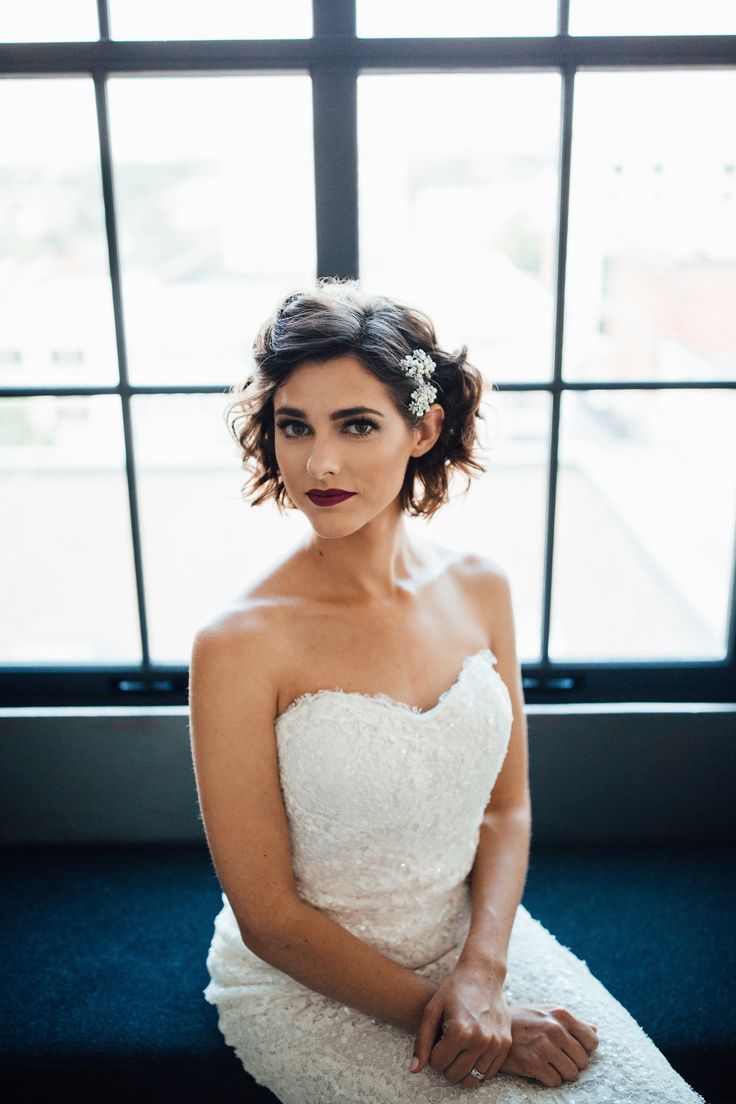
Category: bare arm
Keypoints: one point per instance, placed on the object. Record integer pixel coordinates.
(498, 877)
(236, 768)
(501, 862)
(317, 951)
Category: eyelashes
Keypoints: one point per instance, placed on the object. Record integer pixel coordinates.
(363, 422)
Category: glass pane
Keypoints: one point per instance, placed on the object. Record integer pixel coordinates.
(466, 18)
(651, 273)
(56, 320)
(48, 21)
(66, 561)
(458, 209)
(214, 183)
(487, 518)
(653, 17)
(181, 19)
(202, 543)
(644, 540)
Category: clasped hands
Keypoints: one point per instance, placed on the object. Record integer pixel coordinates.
(467, 1023)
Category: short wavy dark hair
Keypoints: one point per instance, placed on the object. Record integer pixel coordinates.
(333, 318)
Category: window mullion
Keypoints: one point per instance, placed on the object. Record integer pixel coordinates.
(563, 17)
(103, 19)
(124, 389)
(566, 107)
(334, 106)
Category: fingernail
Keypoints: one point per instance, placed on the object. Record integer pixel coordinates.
(414, 1063)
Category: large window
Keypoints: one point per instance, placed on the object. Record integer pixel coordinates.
(555, 187)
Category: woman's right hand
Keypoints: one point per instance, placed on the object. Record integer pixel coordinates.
(549, 1043)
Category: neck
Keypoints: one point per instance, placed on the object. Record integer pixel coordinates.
(376, 563)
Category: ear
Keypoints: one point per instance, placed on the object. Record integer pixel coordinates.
(428, 430)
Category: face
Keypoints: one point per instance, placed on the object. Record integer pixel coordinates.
(337, 428)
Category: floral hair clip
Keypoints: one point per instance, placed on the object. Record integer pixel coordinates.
(419, 365)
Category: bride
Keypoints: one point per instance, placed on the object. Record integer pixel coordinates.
(360, 751)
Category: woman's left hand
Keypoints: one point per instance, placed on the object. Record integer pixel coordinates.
(476, 1028)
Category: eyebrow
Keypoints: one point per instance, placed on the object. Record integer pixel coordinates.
(346, 412)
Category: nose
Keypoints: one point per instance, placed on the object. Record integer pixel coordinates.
(322, 461)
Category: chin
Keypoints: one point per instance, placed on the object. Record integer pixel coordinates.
(331, 532)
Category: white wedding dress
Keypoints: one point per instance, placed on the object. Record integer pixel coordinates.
(384, 803)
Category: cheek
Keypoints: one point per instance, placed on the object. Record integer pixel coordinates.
(388, 462)
(284, 455)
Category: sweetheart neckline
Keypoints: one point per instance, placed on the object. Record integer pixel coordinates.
(386, 699)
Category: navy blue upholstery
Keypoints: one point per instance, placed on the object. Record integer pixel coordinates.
(104, 964)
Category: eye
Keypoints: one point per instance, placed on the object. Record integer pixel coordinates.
(283, 425)
(366, 424)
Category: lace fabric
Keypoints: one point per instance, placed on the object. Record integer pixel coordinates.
(384, 803)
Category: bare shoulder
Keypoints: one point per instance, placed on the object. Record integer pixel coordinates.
(245, 619)
(249, 626)
(241, 647)
(466, 567)
(477, 567)
(487, 586)
(232, 691)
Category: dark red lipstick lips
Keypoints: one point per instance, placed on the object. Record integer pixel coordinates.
(330, 497)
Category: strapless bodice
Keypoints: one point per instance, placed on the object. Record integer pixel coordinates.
(385, 802)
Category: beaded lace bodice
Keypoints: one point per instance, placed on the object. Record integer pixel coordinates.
(385, 804)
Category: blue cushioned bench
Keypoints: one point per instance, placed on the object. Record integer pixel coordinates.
(104, 964)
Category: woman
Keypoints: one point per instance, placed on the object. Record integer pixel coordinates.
(360, 750)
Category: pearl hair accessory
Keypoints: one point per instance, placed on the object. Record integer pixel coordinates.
(419, 365)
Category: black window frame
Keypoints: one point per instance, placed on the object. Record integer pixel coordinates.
(334, 58)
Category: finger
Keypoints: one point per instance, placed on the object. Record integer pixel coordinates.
(550, 1076)
(426, 1036)
(576, 1051)
(461, 1065)
(584, 1034)
(444, 1052)
(488, 1063)
(481, 1063)
(565, 1066)
(471, 1082)
(497, 1060)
